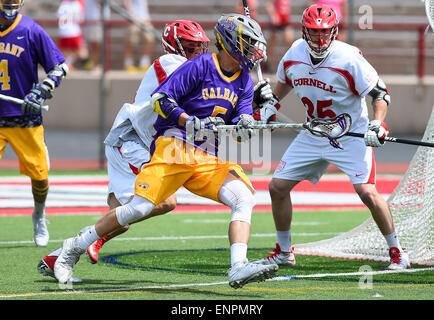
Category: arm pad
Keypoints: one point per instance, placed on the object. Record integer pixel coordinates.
(56, 75)
(380, 92)
(166, 107)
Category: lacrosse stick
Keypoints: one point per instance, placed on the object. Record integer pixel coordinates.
(393, 139)
(329, 128)
(429, 10)
(247, 13)
(18, 101)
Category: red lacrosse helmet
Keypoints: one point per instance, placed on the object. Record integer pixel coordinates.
(320, 28)
(185, 38)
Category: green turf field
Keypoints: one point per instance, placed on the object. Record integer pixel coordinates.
(185, 256)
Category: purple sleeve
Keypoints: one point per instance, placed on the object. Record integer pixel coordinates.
(47, 53)
(245, 101)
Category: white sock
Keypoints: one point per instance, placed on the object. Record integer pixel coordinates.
(145, 61)
(238, 253)
(88, 237)
(284, 240)
(392, 240)
(55, 252)
(128, 62)
(39, 209)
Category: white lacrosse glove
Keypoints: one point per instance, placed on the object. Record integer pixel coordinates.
(269, 111)
(243, 130)
(377, 131)
(262, 93)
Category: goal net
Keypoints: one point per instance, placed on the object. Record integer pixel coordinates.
(412, 207)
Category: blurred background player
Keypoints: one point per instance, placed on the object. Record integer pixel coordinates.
(136, 37)
(94, 32)
(347, 78)
(71, 15)
(127, 144)
(190, 104)
(26, 45)
(279, 14)
(342, 13)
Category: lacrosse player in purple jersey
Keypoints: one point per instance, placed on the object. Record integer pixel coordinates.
(24, 45)
(205, 91)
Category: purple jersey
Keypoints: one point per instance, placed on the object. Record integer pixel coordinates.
(23, 46)
(201, 88)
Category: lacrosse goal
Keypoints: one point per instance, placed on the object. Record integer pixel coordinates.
(412, 207)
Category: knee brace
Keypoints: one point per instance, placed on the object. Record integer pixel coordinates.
(236, 195)
(137, 208)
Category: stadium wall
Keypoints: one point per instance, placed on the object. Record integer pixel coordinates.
(76, 103)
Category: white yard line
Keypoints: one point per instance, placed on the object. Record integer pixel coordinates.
(161, 238)
(205, 284)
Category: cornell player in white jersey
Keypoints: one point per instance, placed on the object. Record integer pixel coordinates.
(127, 144)
(330, 77)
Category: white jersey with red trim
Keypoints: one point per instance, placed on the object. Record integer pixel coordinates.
(338, 84)
(137, 120)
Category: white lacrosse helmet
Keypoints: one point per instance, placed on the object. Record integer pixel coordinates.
(241, 37)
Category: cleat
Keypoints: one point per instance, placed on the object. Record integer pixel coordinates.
(278, 257)
(398, 259)
(67, 259)
(93, 249)
(40, 231)
(245, 272)
(46, 268)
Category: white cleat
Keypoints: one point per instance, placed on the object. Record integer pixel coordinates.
(242, 273)
(40, 231)
(398, 259)
(46, 268)
(66, 261)
(278, 257)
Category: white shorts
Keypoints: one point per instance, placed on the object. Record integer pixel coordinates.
(123, 165)
(308, 157)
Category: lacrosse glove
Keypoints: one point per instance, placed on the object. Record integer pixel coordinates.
(269, 111)
(202, 128)
(377, 131)
(34, 100)
(262, 93)
(243, 130)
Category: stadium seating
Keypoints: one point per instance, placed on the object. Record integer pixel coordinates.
(392, 46)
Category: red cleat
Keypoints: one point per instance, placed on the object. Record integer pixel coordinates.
(93, 249)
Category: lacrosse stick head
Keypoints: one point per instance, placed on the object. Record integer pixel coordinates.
(333, 128)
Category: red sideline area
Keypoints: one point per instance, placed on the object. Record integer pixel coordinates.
(93, 164)
(179, 208)
(328, 185)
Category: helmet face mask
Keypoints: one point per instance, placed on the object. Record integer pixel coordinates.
(185, 38)
(9, 9)
(320, 29)
(193, 48)
(242, 39)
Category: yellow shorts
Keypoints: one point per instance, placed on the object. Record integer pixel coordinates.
(29, 145)
(175, 164)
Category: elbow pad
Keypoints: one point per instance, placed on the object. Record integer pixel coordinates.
(380, 92)
(166, 107)
(56, 75)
